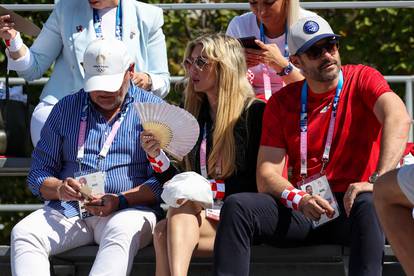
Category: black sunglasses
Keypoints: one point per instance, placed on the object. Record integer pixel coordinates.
(316, 51)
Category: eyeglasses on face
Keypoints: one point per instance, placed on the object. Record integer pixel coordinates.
(316, 51)
(199, 62)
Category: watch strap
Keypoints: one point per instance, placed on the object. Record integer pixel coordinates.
(286, 71)
(373, 178)
(123, 202)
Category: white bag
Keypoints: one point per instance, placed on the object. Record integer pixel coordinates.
(188, 186)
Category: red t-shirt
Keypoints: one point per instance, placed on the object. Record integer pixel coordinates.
(356, 140)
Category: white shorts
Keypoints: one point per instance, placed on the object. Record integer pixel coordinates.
(405, 178)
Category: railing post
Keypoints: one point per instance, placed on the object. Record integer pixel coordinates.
(409, 104)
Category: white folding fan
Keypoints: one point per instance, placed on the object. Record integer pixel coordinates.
(175, 128)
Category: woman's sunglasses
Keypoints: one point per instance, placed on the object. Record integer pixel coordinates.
(199, 62)
(316, 51)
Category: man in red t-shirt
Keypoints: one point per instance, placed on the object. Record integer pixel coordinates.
(341, 128)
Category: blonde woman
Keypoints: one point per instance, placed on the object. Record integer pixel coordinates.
(220, 97)
(268, 21)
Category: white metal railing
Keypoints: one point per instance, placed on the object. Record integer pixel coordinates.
(243, 6)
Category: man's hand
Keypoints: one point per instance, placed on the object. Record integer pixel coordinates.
(142, 80)
(7, 30)
(353, 190)
(313, 206)
(69, 190)
(102, 205)
(149, 144)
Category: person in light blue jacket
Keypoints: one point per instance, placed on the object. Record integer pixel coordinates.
(67, 32)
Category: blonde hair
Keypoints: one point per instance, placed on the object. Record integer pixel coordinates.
(292, 11)
(234, 91)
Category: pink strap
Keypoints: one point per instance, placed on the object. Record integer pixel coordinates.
(266, 82)
(109, 139)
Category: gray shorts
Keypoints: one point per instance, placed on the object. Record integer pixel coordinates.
(405, 179)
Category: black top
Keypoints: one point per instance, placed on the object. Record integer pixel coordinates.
(247, 132)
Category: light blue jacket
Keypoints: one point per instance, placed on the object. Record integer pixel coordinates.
(68, 31)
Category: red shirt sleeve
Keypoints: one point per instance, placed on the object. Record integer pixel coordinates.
(372, 85)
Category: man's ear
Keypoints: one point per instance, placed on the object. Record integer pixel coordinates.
(295, 60)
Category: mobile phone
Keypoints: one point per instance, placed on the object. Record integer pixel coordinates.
(248, 42)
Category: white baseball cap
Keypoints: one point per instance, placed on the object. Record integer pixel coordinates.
(306, 32)
(105, 62)
(187, 186)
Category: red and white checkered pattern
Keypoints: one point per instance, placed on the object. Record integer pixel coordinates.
(218, 187)
(291, 197)
(250, 76)
(160, 163)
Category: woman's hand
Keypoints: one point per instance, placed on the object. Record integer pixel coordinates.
(269, 55)
(149, 144)
(7, 31)
(142, 80)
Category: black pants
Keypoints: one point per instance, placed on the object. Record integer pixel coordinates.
(254, 218)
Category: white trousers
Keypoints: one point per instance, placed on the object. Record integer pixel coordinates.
(38, 120)
(46, 232)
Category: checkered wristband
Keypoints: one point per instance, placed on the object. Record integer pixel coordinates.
(160, 163)
(250, 76)
(218, 188)
(16, 43)
(291, 197)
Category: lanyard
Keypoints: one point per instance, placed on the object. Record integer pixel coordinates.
(304, 126)
(265, 69)
(97, 23)
(203, 153)
(263, 39)
(82, 133)
(203, 156)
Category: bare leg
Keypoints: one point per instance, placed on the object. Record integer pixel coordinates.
(394, 211)
(187, 229)
(162, 267)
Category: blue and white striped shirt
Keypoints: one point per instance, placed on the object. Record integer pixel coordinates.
(126, 164)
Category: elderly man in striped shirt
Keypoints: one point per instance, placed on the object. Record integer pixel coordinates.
(91, 136)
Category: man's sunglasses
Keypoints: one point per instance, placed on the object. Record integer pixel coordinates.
(199, 62)
(316, 51)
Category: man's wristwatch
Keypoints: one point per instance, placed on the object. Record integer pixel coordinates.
(373, 178)
(123, 202)
(286, 71)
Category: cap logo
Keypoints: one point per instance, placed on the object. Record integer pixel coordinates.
(100, 64)
(310, 27)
